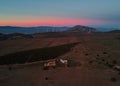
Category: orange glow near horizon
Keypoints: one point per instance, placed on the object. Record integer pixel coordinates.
(50, 22)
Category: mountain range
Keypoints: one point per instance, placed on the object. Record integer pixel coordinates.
(30, 30)
(82, 29)
(41, 29)
(13, 33)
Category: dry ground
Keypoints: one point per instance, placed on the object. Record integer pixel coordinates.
(90, 48)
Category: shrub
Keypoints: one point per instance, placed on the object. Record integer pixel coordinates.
(86, 54)
(90, 62)
(113, 79)
(45, 68)
(46, 78)
(10, 68)
(98, 55)
(114, 62)
(103, 60)
(104, 52)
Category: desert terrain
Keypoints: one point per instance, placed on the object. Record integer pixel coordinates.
(97, 53)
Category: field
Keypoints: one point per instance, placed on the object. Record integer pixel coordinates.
(36, 54)
(98, 54)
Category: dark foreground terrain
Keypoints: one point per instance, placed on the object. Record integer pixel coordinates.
(98, 54)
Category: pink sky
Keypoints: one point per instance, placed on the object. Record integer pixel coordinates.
(51, 22)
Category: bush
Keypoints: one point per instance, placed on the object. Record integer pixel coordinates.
(113, 79)
(114, 62)
(46, 78)
(103, 60)
(86, 54)
(110, 65)
(73, 63)
(90, 62)
(10, 68)
(45, 68)
(98, 55)
(104, 52)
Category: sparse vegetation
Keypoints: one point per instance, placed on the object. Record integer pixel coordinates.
(86, 54)
(73, 63)
(90, 62)
(104, 52)
(113, 79)
(114, 62)
(98, 55)
(46, 78)
(89, 59)
(9, 68)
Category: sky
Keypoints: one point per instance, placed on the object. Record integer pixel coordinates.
(59, 12)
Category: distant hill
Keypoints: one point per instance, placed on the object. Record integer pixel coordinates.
(114, 31)
(14, 36)
(82, 29)
(30, 30)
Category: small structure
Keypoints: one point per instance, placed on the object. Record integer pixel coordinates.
(64, 62)
(117, 67)
(50, 64)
